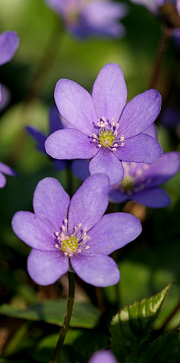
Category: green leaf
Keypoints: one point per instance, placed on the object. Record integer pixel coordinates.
(132, 325)
(78, 346)
(160, 349)
(53, 312)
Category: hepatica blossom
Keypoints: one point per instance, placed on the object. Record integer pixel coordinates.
(9, 42)
(84, 18)
(103, 356)
(155, 5)
(168, 11)
(5, 169)
(81, 167)
(61, 232)
(55, 123)
(103, 128)
(141, 181)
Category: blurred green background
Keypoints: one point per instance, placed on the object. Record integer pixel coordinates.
(45, 55)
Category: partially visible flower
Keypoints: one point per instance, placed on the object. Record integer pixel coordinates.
(168, 11)
(141, 181)
(55, 123)
(81, 167)
(170, 117)
(5, 97)
(61, 232)
(150, 4)
(5, 169)
(9, 42)
(103, 356)
(103, 128)
(84, 18)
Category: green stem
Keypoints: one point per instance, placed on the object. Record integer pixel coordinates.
(117, 286)
(100, 300)
(45, 64)
(55, 357)
(159, 58)
(169, 318)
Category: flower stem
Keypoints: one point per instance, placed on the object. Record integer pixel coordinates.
(45, 64)
(55, 357)
(159, 57)
(169, 318)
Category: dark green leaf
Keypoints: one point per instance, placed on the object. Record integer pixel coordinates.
(79, 345)
(160, 349)
(53, 312)
(132, 325)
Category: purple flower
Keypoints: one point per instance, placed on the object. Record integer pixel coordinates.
(85, 18)
(141, 181)
(105, 129)
(9, 42)
(61, 231)
(149, 4)
(81, 167)
(5, 97)
(168, 11)
(55, 123)
(103, 356)
(5, 169)
(170, 117)
(155, 5)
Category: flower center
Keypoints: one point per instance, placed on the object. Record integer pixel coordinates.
(74, 243)
(127, 183)
(108, 135)
(72, 17)
(70, 245)
(106, 138)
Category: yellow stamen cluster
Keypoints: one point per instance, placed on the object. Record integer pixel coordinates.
(108, 136)
(70, 244)
(73, 243)
(127, 183)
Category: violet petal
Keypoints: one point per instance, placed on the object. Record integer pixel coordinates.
(141, 149)
(105, 161)
(102, 356)
(70, 144)
(162, 170)
(45, 268)
(153, 198)
(113, 232)
(9, 42)
(51, 202)
(75, 105)
(140, 113)
(2, 180)
(1, 95)
(81, 168)
(110, 92)
(38, 136)
(7, 170)
(55, 122)
(97, 270)
(89, 203)
(32, 230)
(116, 196)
